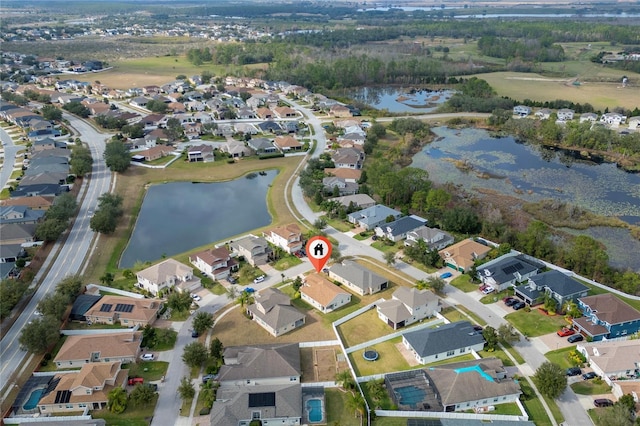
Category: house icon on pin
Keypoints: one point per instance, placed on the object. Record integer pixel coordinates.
(318, 250)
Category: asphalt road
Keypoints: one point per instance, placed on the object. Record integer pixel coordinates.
(72, 254)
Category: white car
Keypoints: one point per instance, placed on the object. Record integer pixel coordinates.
(259, 279)
(147, 357)
(196, 297)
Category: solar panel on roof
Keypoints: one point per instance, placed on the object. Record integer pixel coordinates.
(124, 307)
(263, 399)
(106, 307)
(513, 268)
(62, 397)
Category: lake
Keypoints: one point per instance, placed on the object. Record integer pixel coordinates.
(534, 173)
(179, 216)
(397, 99)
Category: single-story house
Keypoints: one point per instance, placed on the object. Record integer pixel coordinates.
(447, 341)
(408, 305)
(349, 158)
(216, 263)
(272, 310)
(287, 143)
(560, 286)
(167, 274)
(39, 189)
(261, 145)
(17, 233)
(606, 317)
(20, 214)
(329, 185)
(322, 294)
(612, 360)
(10, 253)
(373, 216)
(461, 256)
(435, 239)
(508, 270)
(35, 203)
(78, 350)
(398, 229)
(156, 152)
(277, 363)
(255, 250)
(349, 175)
(287, 237)
(358, 201)
(127, 311)
(357, 278)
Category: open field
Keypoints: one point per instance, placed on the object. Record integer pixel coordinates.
(535, 323)
(521, 86)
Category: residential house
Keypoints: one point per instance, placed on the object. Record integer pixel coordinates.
(200, 153)
(606, 317)
(216, 263)
(349, 158)
(561, 287)
(42, 144)
(45, 178)
(447, 341)
(398, 229)
(78, 350)
(613, 360)
(272, 310)
(259, 383)
(634, 123)
(357, 138)
(543, 113)
(168, 274)
(508, 271)
(127, 311)
(322, 294)
(83, 303)
(340, 111)
(588, 116)
(235, 148)
(329, 185)
(40, 189)
(285, 112)
(613, 118)
(270, 127)
(87, 389)
(17, 233)
(434, 238)
(287, 237)
(565, 114)
(287, 143)
(357, 278)
(20, 214)
(265, 113)
(10, 253)
(261, 145)
(139, 101)
(462, 256)
(521, 110)
(407, 306)
(246, 128)
(155, 152)
(373, 216)
(356, 201)
(34, 203)
(348, 174)
(255, 250)
(152, 121)
(192, 130)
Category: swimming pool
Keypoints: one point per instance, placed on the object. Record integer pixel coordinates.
(410, 395)
(33, 400)
(314, 407)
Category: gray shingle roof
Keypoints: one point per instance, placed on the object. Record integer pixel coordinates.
(402, 225)
(559, 283)
(358, 275)
(373, 215)
(260, 362)
(505, 269)
(431, 341)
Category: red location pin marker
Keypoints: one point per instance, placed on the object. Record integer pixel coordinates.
(318, 251)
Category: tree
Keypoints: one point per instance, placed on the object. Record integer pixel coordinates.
(320, 224)
(40, 334)
(54, 305)
(50, 229)
(116, 156)
(245, 298)
(628, 402)
(345, 380)
(195, 354)
(216, 349)
(142, 395)
(618, 415)
(186, 389)
(105, 219)
(202, 322)
(491, 338)
(551, 379)
(390, 258)
(81, 160)
(117, 400)
(51, 113)
(436, 284)
(232, 292)
(107, 278)
(376, 389)
(179, 301)
(70, 286)
(356, 403)
(507, 333)
(208, 393)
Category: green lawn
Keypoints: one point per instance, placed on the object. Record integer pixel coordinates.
(510, 409)
(534, 407)
(591, 387)
(390, 421)
(389, 360)
(363, 235)
(514, 353)
(560, 357)
(363, 328)
(160, 161)
(337, 411)
(534, 323)
(472, 315)
(338, 224)
(132, 416)
(463, 283)
(149, 371)
(384, 247)
(494, 297)
(460, 358)
(286, 262)
(499, 353)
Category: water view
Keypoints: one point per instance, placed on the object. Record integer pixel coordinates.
(534, 173)
(396, 99)
(176, 217)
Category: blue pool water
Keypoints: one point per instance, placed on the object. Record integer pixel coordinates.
(475, 368)
(410, 395)
(33, 400)
(315, 410)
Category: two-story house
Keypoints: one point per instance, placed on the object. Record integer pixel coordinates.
(357, 278)
(78, 350)
(287, 237)
(435, 239)
(613, 360)
(398, 229)
(272, 310)
(447, 341)
(461, 256)
(606, 316)
(508, 270)
(216, 263)
(350, 158)
(561, 287)
(322, 294)
(166, 275)
(255, 250)
(408, 305)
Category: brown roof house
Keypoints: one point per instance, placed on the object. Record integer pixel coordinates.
(155, 152)
(167, 274)
(255, 250)
(273, 312)
(87, 389)
(322, 294)
(36, 203)
(461, 256)
(285, 112)
(287, 143)
(408, 305)
(216, 263)
(606, 317)
(78, 350)
(127, 311)
(287, 237)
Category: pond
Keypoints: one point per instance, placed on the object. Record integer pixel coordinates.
(178, 216)
(534, 173)
(397, 99)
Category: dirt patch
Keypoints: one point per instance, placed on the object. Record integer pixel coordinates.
(321, 364)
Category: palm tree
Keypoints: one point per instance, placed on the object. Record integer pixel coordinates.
(232, 292)
(117, 400)
(355, 402)
(345, 379)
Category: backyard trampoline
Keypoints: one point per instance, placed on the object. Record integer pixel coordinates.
(370, 354)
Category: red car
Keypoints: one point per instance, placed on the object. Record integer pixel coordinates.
(135, 380)
(566, 332)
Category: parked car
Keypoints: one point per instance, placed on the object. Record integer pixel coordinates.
(147, 357)
(446, 275)
(590, 375)
(602, 402)
(135, 381)
(487, 289)
(231, 280)
(575, 338)
(573, 371)
(195, 334)
(250, 290)
(259, 279)
(208, 377)
(196, 297)
(564, 332)
(518, 305)
(510, 301)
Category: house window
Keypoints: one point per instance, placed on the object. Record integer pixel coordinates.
(88, 391)
(82, 405)
(248, 382)
(255, 414)
(451, 353)
(293, 379)
(462, 350)
(69, 405)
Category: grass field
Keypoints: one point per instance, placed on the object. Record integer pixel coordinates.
(534, 323)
